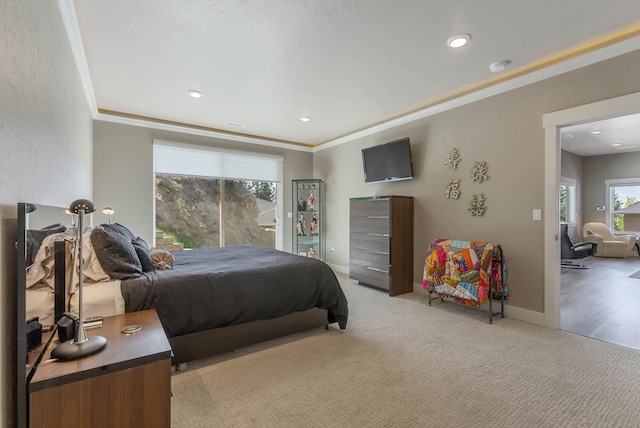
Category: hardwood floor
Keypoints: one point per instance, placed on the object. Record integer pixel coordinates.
(602, 302)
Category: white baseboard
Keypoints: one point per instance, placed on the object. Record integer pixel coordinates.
(510, 311)
(339, 269)
(526, 315)
(515, 312)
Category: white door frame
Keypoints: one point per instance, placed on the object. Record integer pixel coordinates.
(552, 122)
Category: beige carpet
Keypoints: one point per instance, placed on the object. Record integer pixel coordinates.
(401, 363)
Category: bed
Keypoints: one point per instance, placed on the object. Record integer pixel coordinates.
(209, 301)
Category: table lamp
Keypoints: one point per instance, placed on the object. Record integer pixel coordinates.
(81, 345)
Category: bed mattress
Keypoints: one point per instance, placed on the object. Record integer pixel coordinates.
(220, 287)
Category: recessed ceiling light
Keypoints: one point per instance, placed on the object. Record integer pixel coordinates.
(616, 144)
(459, 40)
(305, 118)
(195, 94)
(596, 132)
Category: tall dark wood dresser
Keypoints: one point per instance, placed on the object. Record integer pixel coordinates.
(381, 242)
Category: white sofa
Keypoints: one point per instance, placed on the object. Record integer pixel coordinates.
(609, 245)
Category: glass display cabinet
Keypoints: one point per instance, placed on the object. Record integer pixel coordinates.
(308, 218)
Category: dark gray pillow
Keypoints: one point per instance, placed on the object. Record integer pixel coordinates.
(142, 249)
(122, 230)
(116, 254)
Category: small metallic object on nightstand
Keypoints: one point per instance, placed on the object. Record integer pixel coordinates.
(131, 329)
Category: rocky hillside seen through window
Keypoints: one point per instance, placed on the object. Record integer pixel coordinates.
(188, 209)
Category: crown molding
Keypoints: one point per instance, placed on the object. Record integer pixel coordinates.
(197, 131)
(70, 20)
(532, 73)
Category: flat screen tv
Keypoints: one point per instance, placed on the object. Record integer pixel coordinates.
(387, 162)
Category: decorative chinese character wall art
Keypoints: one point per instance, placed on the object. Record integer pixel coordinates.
(453, 159)
(477, 205)
(453, 189)
(478, 175)
(479, 172)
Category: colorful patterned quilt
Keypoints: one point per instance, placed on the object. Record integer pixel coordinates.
(464, 270)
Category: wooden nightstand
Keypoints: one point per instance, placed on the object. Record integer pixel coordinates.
(127, 384)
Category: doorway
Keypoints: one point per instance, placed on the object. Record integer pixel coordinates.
(552, 123)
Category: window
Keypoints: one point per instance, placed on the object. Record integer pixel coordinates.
(206, 197)
(568, 200)
(623, 207)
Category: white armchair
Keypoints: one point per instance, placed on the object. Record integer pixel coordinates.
(609, 245)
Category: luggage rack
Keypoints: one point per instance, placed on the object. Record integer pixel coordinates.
(437, 281)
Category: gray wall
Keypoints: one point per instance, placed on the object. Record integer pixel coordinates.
(571, 166)
(45, 136)
(506, 131)
(123, 167)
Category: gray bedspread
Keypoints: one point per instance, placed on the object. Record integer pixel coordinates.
(232, 285)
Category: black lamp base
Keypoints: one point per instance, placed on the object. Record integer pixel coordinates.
(70, 350)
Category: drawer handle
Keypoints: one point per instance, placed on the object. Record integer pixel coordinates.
(386, 235)
(378, 252)
(377, 270)
(377, 216)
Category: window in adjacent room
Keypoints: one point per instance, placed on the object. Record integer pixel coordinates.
(623, 210)
(206, 197)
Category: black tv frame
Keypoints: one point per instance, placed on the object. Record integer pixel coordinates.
(387, 147)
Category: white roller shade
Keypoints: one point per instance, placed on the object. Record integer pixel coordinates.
(189, 159)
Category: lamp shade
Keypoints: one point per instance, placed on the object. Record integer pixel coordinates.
(83, 205)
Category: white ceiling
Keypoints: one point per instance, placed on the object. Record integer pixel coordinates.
(616, 135)
(347, 64)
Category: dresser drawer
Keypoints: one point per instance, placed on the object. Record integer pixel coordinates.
(367, 258)
(365, 241)
(370, 207)
(369, 276)
(371, 225)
